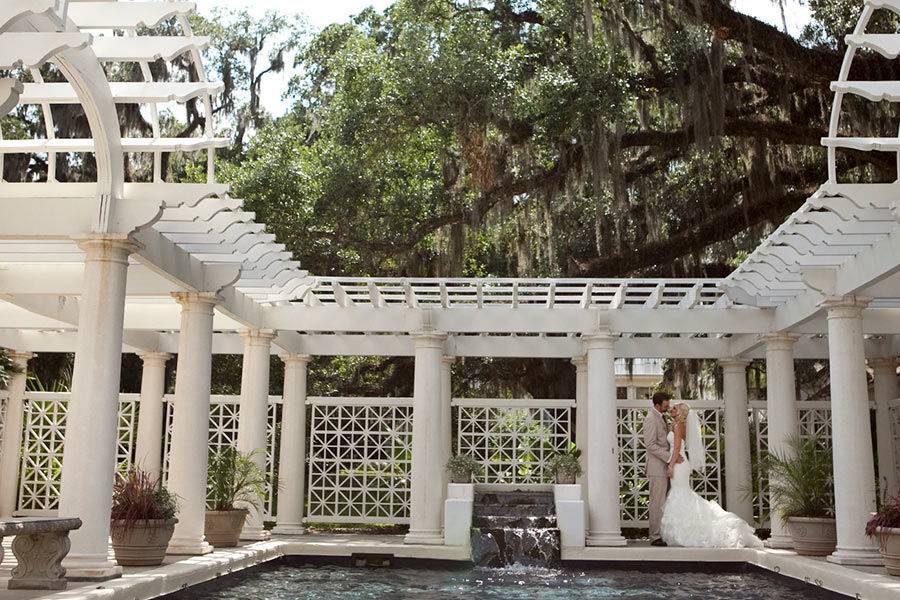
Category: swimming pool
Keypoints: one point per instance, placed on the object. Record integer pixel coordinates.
(280, 581)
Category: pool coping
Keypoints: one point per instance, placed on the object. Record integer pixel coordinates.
(153, 582)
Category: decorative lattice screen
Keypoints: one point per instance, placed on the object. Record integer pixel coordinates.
(514, 440)
(360, 454)
(44, 431)
(223, 431)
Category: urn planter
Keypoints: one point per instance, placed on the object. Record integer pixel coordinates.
(460, 477)
(889, 543)
(565, 478)
(813, 537)
(143, 543)
(223, 527)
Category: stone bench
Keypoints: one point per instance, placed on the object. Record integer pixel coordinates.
(39, 545)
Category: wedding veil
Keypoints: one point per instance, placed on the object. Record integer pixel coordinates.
(695, 447)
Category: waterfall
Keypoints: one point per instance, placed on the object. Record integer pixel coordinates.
(511, 528)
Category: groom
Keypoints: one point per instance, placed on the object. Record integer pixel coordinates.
(656, 443)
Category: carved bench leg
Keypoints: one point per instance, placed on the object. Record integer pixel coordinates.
(39, 559)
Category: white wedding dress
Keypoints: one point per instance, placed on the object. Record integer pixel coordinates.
(690, 521)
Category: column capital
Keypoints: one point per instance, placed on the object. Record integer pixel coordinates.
(204, 301)
(580, 362)
(599, 340)
(20, 357)
(295, 359)
(448, 360)
(779, 341)
(428, 338)
(107, 247)
(883, 362)
(735, 365)
(258, 336)
(150, 357)
(845, 307)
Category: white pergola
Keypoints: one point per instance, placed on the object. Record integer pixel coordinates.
(165, 269)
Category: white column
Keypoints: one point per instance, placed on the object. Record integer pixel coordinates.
(602, 450)
(148, 451)
(781, 414)
(89, 457)
(426, 494)
(253, 415)
(12, 435)
(292, 456)
(446, 420)
(886, 390)
(190, 424)
(581, 409)
(737, 439)
(854, 466)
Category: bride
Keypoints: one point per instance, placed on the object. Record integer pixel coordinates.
(688, 520)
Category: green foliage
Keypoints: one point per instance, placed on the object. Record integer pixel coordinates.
(801, 480)
(139, 497)
(463, 465)
(234, 477)
(567, 463)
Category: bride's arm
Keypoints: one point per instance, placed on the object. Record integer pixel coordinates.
(676, 450)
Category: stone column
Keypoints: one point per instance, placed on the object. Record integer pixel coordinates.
(581, 409)
(190, 425)
(12, 435)
(89, 458)
(148, 453)
(426, 495)
(292, 456)
(886, 390)
(781, 414)
(253, 416)
(602, 450)
(854, 466)
(446, 419)
(737, 439)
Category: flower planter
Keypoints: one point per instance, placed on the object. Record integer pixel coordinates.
(813, 537)
(460, 478)
(889, 542)
(223, 527)
(143, 543)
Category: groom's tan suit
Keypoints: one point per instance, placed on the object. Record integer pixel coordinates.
(657, 445)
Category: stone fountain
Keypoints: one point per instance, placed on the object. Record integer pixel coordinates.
(515, 528)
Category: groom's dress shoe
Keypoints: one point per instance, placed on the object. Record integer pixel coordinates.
(659, 543)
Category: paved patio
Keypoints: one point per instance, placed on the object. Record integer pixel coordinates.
(144, 583)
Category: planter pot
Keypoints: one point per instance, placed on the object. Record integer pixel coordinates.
(455, 478)
(564, 478)
(889, 541)
(223, 527)
(143, 543)
(813, 537)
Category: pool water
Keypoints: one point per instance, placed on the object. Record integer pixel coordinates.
(284, 582)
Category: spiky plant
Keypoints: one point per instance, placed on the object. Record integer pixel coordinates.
(139, 497)
(463, 466)
(801, 481)
(233, 477)
(567, 463)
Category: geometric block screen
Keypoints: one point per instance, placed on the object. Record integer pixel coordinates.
(360, 455)
(513, 441)
(43, 434)
(223, 431)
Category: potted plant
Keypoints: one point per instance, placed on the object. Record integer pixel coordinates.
(462, 468)
(802, 491)
(566, 466)
(886, 525)
(234, 481)
(142, 519)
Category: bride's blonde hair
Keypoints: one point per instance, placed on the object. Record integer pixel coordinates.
(680, 412)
